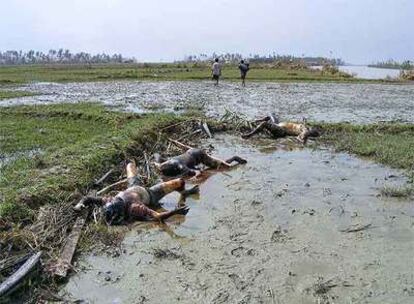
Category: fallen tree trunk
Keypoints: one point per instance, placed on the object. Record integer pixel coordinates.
(16, 278)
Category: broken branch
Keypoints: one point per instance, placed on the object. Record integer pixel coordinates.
(179, 144)
(106, 189)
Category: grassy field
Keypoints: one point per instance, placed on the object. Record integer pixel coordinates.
(48, 152)
(390, 144)
(65, 73)
(14, 94)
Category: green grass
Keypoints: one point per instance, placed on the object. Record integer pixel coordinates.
(391, 144)
(53, 150)
(73, 144)
(14, 94)
(64, 73)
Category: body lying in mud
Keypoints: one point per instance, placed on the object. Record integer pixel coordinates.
(188, 163)
(136, 202)
(278, 129)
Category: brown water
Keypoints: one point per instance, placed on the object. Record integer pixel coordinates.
(360, 103)
(270, 231)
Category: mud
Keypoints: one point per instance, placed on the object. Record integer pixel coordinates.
(358, 103)
(291, 226)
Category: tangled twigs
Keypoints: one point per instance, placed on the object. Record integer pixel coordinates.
(239, 122)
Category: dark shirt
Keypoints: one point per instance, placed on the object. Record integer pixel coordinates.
(243, 67)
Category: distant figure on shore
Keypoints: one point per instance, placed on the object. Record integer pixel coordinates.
(216, 70)
(243, 67)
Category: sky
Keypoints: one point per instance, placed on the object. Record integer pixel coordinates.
(358, 31)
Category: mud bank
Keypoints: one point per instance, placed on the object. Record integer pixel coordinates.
(281, 229)
(333, 102)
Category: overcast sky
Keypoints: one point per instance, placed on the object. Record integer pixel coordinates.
(359, 31)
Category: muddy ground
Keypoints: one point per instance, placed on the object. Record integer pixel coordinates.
(334, 102)
(276, 230)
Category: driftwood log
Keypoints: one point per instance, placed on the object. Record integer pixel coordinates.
(63, 264)
(16, 278)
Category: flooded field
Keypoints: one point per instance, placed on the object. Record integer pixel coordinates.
(358, 103)
(291, 226)
(366, 72)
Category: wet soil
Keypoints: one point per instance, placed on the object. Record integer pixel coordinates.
(291, 226)
(334, 102)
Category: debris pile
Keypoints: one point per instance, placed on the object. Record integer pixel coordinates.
(58, 227)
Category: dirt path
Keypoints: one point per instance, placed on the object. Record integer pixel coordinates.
(358, 103)
(281, 229)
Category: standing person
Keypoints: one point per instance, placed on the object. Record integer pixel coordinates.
(243, 67)
(216, 70)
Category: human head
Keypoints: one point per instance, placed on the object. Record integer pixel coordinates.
(216, 60)
(114, 211)
(242, 61)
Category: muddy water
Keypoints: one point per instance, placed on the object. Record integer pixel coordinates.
(361, 103)
(271, 231)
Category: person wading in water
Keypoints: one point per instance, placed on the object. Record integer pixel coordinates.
(216, 70)
(243, 67)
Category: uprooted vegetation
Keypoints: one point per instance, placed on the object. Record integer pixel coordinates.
(52, 155)
(407, 75)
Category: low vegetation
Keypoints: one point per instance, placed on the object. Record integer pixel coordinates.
(391, 144)
(14, 94)
(180, 71)
(399, 191)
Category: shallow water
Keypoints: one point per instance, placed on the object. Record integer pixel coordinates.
(334, 102)
(269, 231)
(366, 72)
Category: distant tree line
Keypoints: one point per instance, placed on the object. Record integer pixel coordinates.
(59, 56)
(392, 64)
(271, 58)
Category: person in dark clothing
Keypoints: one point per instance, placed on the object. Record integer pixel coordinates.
(243, 67)
(188, 162)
